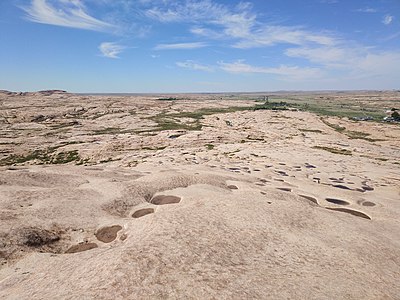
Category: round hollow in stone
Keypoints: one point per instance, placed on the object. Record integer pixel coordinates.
(312, 199)
(284, 189)
(368, 203)
(350, 211)
(337, 201)
(232, 187)
(142, 212)
(81, 248)
(108, 234)
(164, 199)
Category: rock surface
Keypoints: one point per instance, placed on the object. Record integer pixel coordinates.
(259, 215)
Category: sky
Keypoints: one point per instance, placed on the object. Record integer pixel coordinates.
(170, 46)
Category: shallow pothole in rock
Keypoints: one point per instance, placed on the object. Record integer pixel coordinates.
(350, 211)
(368, 203)
(142, 212)
(341, 186)
(367, 188)
(165, 199)
(108, 234)
(312, 199)
(337, 201)
(81, 248)
(284, 189)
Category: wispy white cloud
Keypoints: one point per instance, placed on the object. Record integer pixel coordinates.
(367, 10)
(110, 50)
(332, 57)
(179, 11)
(329, 1)
(387, 20)
(224, 21)
(64, 13)
(190, 64)
(353, 62)
(385, 64)
(180, 46)
(272, 35)
(208, 33)
(286, 72)
(392, 36)
(239, 24)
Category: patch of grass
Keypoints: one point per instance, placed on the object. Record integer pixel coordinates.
(324, 108)
(354, 135)
(249, 137)
(9, 143)
(310, 130)
(210, 146)
(64, 125)
(357, 135)
(229, 123)
(99, 115)
(132, 164)
(381, 159)
(108, 130)
(272, 106)
(154, 149)
(231, 152)
(42, 157)
(165, 123)
(336, 127)
(82, 161)
(71, 143)
(167, 99)
(334, 150)
(65, 157)
(169, 121)
(110, 159)
(199, 114)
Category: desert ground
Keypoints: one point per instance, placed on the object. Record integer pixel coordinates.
(198, 197)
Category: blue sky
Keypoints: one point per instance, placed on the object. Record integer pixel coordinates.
(199, 46)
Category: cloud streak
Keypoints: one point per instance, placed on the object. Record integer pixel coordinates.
(110, 50)
(190, 64)
(64, 13)
(286, 72)
(367, 10)
(180, 46)
(353, 62)
(239, 24)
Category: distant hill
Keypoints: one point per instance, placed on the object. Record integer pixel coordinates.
(44, 93)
